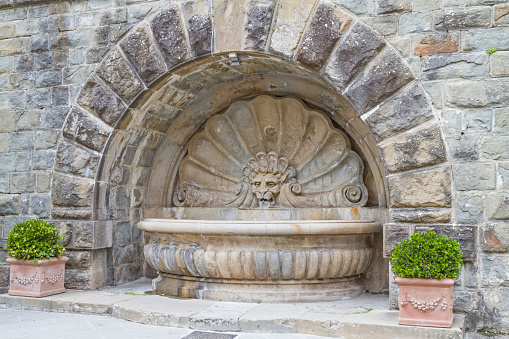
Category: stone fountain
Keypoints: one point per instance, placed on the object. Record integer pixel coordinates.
(269, 206)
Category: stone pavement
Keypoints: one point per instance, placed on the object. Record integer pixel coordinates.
(149, 315)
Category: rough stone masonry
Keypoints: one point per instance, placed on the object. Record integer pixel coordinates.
(93, 92)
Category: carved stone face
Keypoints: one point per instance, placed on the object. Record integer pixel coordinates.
(265, 186)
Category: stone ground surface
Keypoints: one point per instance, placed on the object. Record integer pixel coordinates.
(366, 316)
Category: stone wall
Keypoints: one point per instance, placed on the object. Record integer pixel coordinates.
(446, 163)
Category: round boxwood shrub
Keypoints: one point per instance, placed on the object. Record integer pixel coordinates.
(34, 239)
(427, 255)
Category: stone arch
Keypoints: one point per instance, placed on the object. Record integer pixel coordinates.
(135, 111)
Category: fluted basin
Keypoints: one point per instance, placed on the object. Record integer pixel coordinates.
(259, 260)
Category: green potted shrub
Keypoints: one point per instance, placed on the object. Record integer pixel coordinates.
(425, 267)
(37, 267)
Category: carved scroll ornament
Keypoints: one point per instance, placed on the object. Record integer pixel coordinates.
(270, 152)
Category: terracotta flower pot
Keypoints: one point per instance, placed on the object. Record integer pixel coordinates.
(425, 302)
(40, 279)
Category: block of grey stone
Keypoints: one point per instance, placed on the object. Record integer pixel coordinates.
(321, 36)
(169, 35)
(379, 80)
(357, 48)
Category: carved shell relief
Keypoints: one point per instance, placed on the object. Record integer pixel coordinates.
(270, 152)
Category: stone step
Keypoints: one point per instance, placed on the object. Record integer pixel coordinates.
(363, 317)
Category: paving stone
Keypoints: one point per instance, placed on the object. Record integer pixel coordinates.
(353, 53)
(43, 159)
(415, 22)
(420, 148)
(450, 66)
(76, 160)
(22, 183)
(466, 147)
(143, 54)
(96, 98)
(117, 74)
(9, 204)
(72, 192)
(458, 18)
(427, 188)
(321, 36)
(421, 215)
(40, 205)
(494, 237)
(500, 63)
(497, 206)
(389, 6)
(495, 147)
(469, 208)
(471, 176)
(86, 129)
(259, 20)
(406, 109)
(378, 81)
(290, 22)
(168, 33)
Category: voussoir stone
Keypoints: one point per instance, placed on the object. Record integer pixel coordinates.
(378, 81)
(72, 192)
(142, 52)
(86, 129)
(169, 35)
(99, 100)
(405, 110)
(426, 188)
(200, 34)
(421, 215)
(291, 20)
(259, 19)
(415, 149)
(73, 159)
(354, 52)
(321, 36)
(119, 76)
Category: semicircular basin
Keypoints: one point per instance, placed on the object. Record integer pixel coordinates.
(259, 260)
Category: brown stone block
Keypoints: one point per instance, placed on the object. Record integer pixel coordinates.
(495, 237)
(426, 188)
(436, 43)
